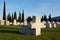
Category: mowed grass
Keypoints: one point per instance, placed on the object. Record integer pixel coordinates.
(50, 34)
(12, 33)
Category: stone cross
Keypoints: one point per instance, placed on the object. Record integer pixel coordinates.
(37, 25)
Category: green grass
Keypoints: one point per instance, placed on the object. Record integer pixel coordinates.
(50, 34)
(12, 33)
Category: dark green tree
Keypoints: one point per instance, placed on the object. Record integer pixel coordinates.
(42, 19)
(29, 19)
(19, 18)
(45, 18)
(9, 17)
(49, 18)
(15, 15)
(4, 11)
(22, 16)
(12, 18)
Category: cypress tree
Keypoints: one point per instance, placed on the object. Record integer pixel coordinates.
(42, 19)
(12, 18)
(9, 17)
(4, 11)
(19, 18)
(15, 15)
(49, 18)
(23, 16)
(45, 18)
(29, 19)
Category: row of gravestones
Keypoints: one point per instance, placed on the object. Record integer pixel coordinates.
(34, 27)
(52, 24)
(10, 23)
(47, 24)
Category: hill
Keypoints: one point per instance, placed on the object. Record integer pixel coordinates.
(56, 18)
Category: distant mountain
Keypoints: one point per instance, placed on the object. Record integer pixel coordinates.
(56, 18)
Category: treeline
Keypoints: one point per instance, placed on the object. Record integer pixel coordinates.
(44, 18)
(20, 18)
(13, 17)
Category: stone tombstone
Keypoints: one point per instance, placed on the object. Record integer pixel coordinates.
(53, 24)
(18, 23)
(57, 24)
(25, 22)
(34, 27)
(7, 23)
(2, 22)
(43, 25)
(21, 23)
(14, 22)
(48, 24)
(37, 25)
(26, 29)
(10, 23)
(43, 22)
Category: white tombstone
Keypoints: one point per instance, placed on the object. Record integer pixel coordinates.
(7, 23)
(48, 24)
(37, 25)
(53, 24)
(43, 22)
(14, 22)
(25, 22)
(2, 22)
(57, 24)
(43, 25)
(21, 23)
(18, 23)
(10, 23)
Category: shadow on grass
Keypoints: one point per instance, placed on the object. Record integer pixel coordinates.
(13, 32)
(10, 31)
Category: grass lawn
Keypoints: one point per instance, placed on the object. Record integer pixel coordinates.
(12, 33)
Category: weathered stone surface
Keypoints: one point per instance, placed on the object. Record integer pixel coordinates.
(2, 22)
(14, 22)
(34, 27)
(7, 23)
(18, 23)
(25, 22)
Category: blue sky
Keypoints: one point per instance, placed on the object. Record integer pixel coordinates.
(31, 7)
